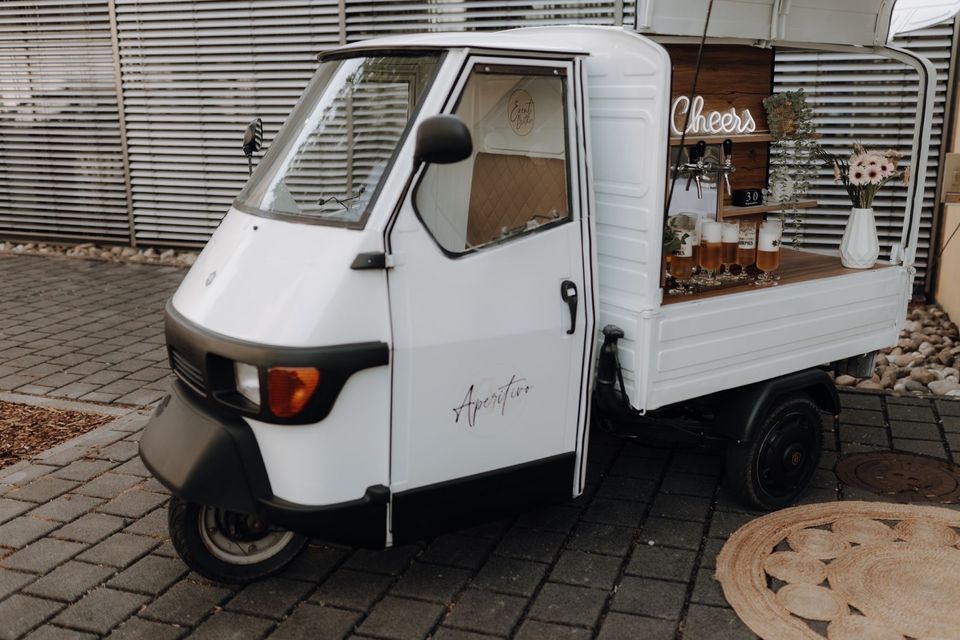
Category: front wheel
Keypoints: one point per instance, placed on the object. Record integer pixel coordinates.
(772, 470)
(229, 547)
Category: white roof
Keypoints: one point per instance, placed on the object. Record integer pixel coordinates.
(504, 40)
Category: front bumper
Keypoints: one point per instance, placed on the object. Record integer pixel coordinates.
(212, 458)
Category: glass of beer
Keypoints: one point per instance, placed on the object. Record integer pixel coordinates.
(768, 253)
(730, 238)
(681, 263)
(711, 236)
(746, 247)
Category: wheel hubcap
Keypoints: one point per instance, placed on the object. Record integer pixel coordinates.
(786, 455)
(239, 538)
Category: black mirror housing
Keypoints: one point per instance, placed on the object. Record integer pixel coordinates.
(442, 139)
(253, 137)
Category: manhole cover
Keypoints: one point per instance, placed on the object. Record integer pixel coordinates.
(846, 571)
(902, 477)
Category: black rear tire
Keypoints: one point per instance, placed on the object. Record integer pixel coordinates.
(229, 547)
(772, 470)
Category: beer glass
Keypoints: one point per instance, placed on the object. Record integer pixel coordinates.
(746, 247)
(711, 236)
(768, 253)
(730, 238)
(681, 262)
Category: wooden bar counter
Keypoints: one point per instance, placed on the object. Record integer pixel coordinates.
(795, 266)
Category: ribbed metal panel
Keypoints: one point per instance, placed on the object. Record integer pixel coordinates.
(866, 99)
(194, 74)
(61, 167)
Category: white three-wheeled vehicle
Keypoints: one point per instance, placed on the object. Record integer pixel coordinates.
(395, 329)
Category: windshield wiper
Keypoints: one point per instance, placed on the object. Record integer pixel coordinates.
(345, 201)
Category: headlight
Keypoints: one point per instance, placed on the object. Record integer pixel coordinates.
(247, 378)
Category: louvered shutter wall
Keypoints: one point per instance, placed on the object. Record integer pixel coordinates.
(194, 74)
(384, 17)
(61, 157)
(858, 98)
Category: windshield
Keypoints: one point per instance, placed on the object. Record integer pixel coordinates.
(330, 156)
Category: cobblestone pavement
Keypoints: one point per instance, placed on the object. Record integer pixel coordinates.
(83, 329)
(84, 550)
(83, 541)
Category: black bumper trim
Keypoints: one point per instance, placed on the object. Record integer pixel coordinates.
(211, 356)
(212, 458)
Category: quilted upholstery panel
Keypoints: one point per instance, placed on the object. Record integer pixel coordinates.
(509, 190)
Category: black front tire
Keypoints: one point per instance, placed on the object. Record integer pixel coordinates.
(223, 546)
(772, 470)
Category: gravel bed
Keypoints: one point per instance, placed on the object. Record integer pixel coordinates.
(26, 430)
(149, 255)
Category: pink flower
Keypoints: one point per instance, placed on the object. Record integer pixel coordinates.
(873, 175)
(857, 176)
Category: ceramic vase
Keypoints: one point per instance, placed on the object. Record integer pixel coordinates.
(860, 247)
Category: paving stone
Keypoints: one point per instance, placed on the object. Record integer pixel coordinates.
(118, 451)
(924, 447)
(556, 518)
(681, 507)
(586, 569)
(269, 598)
(185, 603)
(431, 582)
(449, 633)
(707, 590)
(402, 619)
(638, 468)
(83, 470)
(150, 575)
(25, 472)
(714, 623)
(509, 575)
(90, 528)
(69, 581)
(66, 507)
(10, 509)
(529, 544)
(568, 604)
(537, 630)
(100, 610)
(140, 629)
(42, 489)
(141, 397)
(63, 455)
(52, 632)
(42, 556)
(623, 513)
(133, 467)
(915, 430)
(109, 485)
(226, 625)
(311, 621)
(624, 488)
(457, 551)
(21, 613)
(389, 561)
(648, 597)
(723, 523)
(689, 484)
(948, 407)
(133, 504)
(154, 524)
(619, 626)
(602, 538)
(661, 562)
(486, 612)
(685, 534)
(351, 589)
(315, 563)
(856, 434)
(701, 461)
(119, 550)
(12, 581)
(917, 413)
(21, 531)
(861, 417)
(860, 401)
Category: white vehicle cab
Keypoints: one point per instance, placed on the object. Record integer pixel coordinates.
(395, 329)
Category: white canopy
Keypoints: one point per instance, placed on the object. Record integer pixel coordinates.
(851, 22)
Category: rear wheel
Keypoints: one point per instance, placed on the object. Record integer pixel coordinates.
(773, 469)
(227, 546)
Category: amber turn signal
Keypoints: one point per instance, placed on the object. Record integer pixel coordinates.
(289, 389)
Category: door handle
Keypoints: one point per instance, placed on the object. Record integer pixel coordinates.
(568, 292)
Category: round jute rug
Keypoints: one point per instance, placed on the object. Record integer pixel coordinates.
(846, 570)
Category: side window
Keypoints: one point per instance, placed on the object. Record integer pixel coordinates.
(516, 180)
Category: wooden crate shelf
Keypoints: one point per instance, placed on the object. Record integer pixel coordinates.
(729, 211)
(694, 138)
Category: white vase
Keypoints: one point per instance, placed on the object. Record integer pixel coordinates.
(860, 247)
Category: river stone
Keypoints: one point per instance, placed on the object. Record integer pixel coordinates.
(923, 376)
(869, 384)
(943, 387)
(945, 357)
(907, 359)
(913, 385)
(845, 381)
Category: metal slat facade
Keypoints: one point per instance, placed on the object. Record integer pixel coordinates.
(61, 169)
(193, 73)
(867, 99)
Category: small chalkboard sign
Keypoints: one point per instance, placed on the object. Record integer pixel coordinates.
(747, 197)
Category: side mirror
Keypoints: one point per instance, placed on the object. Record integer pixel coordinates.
(442, 140)
(253, 137)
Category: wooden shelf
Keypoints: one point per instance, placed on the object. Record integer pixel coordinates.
(731, 211)
(693, 138)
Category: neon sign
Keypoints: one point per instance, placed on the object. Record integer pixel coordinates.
(711, 122)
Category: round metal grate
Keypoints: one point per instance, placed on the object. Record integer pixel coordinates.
(902, 477)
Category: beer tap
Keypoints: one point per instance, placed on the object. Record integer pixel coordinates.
(694, 167)
(727, 167)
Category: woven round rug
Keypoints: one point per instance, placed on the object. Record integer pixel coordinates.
(845, 570)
